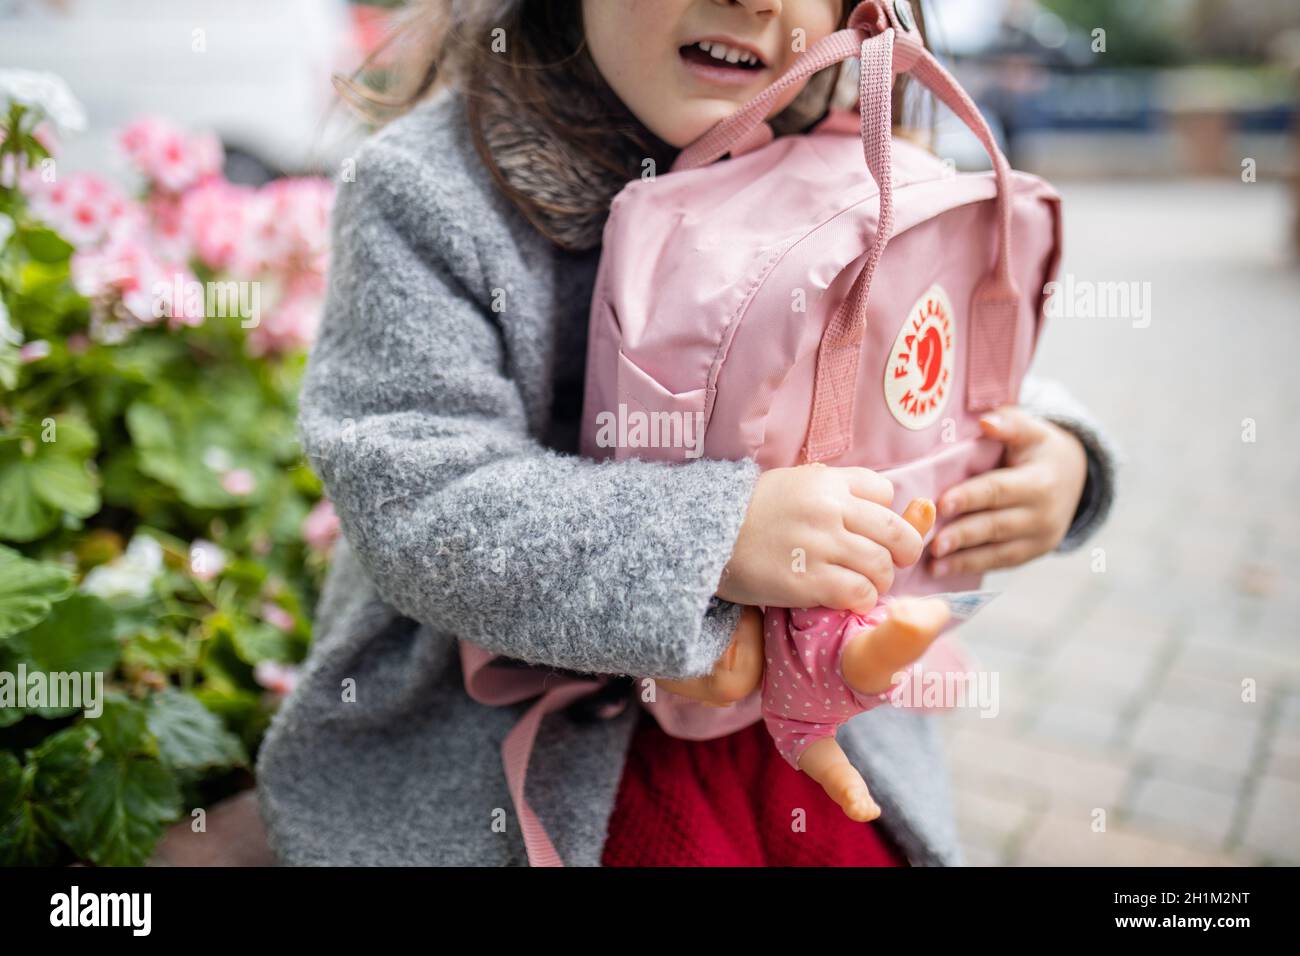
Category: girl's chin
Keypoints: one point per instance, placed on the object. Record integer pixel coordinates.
(699, 119)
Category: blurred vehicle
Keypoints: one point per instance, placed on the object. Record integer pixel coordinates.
(256, 72)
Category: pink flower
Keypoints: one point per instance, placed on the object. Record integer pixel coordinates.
(276, 677)
(167, 157)
(207, 560)
(321, 528)
(126, 270)
(277, 617)
(239, 482)
(167, 234)
(291, 324)
(34, 351)
(214, 218)
(82, 207)
(289, 224)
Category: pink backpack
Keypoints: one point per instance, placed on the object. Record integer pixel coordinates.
(794, 304)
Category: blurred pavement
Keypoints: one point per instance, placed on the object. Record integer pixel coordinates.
(1122, 682)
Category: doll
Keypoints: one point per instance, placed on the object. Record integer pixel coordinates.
(819, 667)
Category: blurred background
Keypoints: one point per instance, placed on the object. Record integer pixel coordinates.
(1150, 683)
(1150, 704)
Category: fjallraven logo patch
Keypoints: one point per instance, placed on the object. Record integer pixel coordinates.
(919, 374)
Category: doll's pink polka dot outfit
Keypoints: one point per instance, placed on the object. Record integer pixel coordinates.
(805, 697)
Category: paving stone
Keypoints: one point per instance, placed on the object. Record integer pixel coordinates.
(1046, 774)
(1067, 839)
(1080, 715)
(1271, 827)
(1198, 590)
(1181, 810)
(1124, 670)
(978, 855)
(1197, 735)
(1220, 694)
(991, 817)
(1219, 779)
(1276, 665)
(234, 836)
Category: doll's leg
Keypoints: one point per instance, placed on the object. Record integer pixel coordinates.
(825, 761)
(871, 658)
(737, 673)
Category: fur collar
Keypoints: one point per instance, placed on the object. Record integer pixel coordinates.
(571, 190)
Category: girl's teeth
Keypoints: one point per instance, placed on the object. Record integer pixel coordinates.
(720, 51)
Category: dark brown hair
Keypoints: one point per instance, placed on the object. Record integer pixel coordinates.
(546, 69)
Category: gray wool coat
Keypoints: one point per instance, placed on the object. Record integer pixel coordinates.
(441, 409)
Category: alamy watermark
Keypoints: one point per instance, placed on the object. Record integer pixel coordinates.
(78, 690)
(1073, 298)
(946, 689)
(630, 428)
(218, 300)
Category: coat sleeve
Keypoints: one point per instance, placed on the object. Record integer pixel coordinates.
(1049, 399)
(463, 519)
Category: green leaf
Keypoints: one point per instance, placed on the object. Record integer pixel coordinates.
(45, 245)
(62, 763)
(23, 842)
(77, 635)
(122, 810)
(23, 516)
(174, 437)
(256, 642)
(103, 790)
(65, 484)
(162, 652)
(9, 363)
(42, 480)
(191, 737)
(27, 590)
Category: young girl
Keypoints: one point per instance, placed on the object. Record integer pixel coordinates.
(441, 409)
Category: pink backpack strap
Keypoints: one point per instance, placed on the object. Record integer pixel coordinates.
(495, 686)
(886, 46)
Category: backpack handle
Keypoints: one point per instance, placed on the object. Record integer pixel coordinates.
(886, 45)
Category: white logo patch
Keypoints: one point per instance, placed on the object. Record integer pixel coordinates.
(919, 374)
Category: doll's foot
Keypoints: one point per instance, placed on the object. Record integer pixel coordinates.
(737, 673)
(872, 658)
(826, 763)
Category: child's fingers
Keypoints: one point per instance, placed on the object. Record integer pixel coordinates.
(882, 526)
(986, 527)
(999, 488)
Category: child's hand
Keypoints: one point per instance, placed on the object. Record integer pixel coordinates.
(817, 536)
(1016, 512)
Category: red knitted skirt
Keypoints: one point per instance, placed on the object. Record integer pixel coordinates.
(732, 801)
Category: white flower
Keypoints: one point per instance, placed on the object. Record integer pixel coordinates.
(45, 93)
(8, 333)
(6, 229)
(130, 576)
(217, 458)
(207, 560)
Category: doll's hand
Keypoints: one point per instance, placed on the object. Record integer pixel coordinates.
(818, 536)
(737, 673)
(1016, 512)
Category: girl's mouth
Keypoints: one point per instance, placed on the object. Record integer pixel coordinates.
(721, 63)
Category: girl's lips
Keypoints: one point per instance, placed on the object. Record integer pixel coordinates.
(723, 75)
